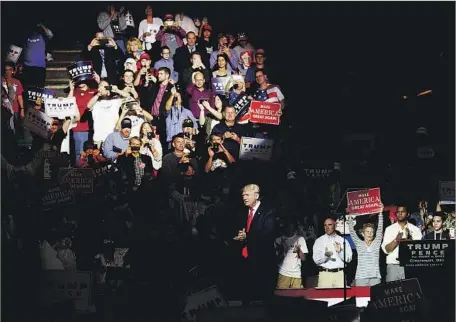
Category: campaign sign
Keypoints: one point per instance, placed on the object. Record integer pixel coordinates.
(255, 148)
(242, 105)
(60, 107)
(38, 95)
(446, 192)
(426, 253)
(58, 286)
(317, 173)
(129, 20)
(264, 112)
(218, 85)
(364, 202)
(206, 299)
(81, 71)
(14, 52)
(58, 196)
(79, 179)
(38, 122)
(400, 300)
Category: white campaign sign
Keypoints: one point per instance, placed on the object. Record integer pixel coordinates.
(60, 107)
(447, 193)
(14, 52)
(38, 122)
(208, 298)
(255, 148)
(129, 20)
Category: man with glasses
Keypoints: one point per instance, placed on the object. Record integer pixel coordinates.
(167, 61)
(402, 230)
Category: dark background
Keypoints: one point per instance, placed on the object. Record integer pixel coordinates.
(343, 66)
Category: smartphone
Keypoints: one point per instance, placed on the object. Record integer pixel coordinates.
(150, 135)
(108, 88)
(102, 42)
(200, 101)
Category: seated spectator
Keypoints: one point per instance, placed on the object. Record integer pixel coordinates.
(178, 169)
(168, 62)
(175, 116)
(103, 52)
(116, 143)
(231, 131)
(148, 30)
(292, 249)
(89, 156)
(113, 24)
(127, 84)
(198, 93)
(196, 66)
(83, 94)
(243, 45)
(260, 58)
(134, 166)
(223, 47)
(182, 59)
(136, 114)
(151, 145)
(105, 110)
(14, 90)
(171, 34)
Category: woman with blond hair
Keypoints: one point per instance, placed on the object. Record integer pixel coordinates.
(368, 270)
(134, 48)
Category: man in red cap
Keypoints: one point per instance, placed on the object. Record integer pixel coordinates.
(171, 34)
(260, 58)
(206, 40)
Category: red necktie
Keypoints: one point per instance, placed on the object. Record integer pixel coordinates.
(249, 221)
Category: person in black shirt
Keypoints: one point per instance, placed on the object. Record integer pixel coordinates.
(438, 232)
(231, 131)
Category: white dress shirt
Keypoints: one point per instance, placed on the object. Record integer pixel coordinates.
(255, 208)
(391, 233)
(336, 259)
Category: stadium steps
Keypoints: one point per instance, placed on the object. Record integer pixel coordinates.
(56, 70)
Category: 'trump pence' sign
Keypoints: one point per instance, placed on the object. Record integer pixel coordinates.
(255, 148)
(80, 71)
(364, 202)
(60, 107)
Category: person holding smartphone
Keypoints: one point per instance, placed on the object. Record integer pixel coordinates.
(151, 146)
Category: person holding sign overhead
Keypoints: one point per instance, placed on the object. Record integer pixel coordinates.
(367, 272)
(394, 234)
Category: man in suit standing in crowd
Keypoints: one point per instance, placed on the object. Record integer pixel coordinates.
(257, 236)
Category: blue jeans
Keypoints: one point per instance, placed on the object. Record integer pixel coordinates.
(79, 139)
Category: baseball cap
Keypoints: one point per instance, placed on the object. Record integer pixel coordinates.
(144, 56)
(187, 123)
(260, 52)
(168, 17)
(88, 145)
(207, 27)
(125, 124)
(242, 36)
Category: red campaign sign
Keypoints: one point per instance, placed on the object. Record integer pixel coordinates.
(364, 202)
(264, 112)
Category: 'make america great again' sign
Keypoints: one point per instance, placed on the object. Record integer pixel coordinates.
(364, 202)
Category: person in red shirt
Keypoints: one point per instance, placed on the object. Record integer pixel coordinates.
(83, 94)
(14, 90)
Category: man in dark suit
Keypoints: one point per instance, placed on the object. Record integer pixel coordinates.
(183, 54)
(103, 52)
(257, 236)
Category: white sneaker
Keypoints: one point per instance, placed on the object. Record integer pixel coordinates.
(49, 57)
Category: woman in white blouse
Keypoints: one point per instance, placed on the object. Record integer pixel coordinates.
(150, 145)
